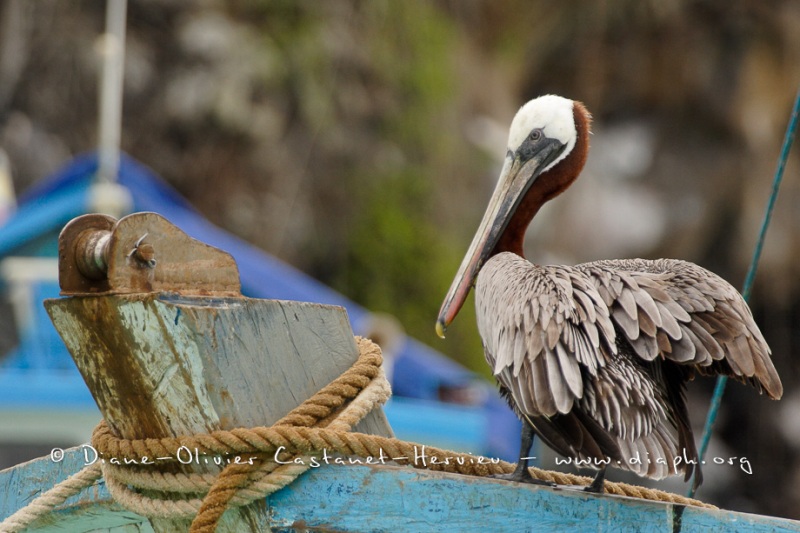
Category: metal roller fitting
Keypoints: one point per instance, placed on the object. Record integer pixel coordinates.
(91, 253)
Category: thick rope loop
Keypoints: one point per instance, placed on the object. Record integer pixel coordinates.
(322, 424)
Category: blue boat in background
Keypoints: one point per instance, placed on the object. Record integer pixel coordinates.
(44, 401)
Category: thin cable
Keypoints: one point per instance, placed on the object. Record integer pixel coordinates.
(719, 389)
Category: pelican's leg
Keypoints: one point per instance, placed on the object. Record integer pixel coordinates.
(597, 484)
(521, 474)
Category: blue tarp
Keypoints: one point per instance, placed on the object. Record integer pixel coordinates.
(419, 371)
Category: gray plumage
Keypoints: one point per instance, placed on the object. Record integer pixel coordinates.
(595, 356)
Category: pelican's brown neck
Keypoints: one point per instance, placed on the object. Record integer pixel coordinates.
(547, 186)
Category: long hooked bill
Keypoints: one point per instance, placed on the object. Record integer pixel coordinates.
(515, 179)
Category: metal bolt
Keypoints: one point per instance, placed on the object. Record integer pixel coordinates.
(144, 252)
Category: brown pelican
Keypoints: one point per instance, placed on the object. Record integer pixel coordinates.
(594, 358)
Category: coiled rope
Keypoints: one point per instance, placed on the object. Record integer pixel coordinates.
(322, 424)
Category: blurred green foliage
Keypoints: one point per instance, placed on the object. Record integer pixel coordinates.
(397, 259)
(379, 77)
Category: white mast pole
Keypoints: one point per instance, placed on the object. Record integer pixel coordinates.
(107, 195)
(113, 54)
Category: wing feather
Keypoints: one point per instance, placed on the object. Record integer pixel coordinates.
(535, 342)
(570, 370)
(646, 347)
(627, 302)
(545, 330)
(545, 402)
(647, 307)
(598, 336)
(669, 323)
(710, 344)
(647, 324)
(628, 323)
(520, 350)
(685, 314)
(561, 394)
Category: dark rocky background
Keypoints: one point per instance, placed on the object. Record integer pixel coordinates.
(359, 141)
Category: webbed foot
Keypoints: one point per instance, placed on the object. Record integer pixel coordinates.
(597, 484)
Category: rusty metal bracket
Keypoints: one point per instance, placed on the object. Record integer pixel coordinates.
(140, 253)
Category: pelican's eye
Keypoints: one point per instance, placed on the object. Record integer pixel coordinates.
(535, 135)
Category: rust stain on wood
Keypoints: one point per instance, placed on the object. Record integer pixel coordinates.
(167, 345)
(116, 362)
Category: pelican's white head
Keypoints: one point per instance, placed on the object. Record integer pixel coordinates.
(553, 115)
(549, 133)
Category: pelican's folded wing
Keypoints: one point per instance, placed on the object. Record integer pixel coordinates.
(686, 314)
